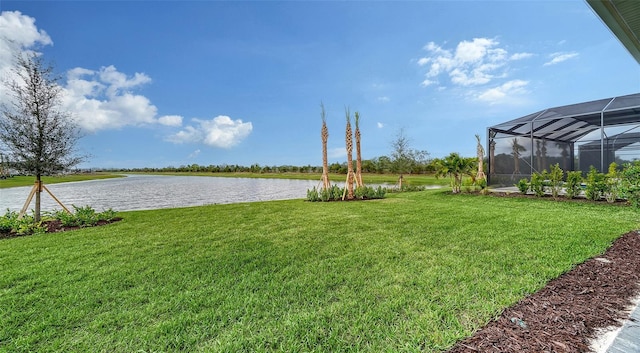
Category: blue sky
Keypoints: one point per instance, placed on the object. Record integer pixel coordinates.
(170, 83)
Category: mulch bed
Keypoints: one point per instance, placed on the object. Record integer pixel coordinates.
(566, 314)
(55, 226)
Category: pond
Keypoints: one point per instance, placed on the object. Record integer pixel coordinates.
(143, 192)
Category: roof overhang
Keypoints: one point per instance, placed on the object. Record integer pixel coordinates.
(569, 123)
(623, 19)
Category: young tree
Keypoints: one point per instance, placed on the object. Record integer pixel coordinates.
(349, 144)
(324, 133)
(38, 134)
(455, 167)
(359, 182)
(480, 153)
(403, 157)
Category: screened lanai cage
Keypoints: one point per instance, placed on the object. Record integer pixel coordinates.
(575, 136)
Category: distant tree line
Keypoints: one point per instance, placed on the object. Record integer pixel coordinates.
(378, 165)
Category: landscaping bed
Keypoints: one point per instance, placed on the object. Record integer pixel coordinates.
(566, 315)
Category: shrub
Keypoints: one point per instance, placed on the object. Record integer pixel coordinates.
(332, 193)
(336, 192)
(537, 183)
(482, 184)
(325, 194)
(630, 185)
(8, 221)
(468, 186)
(572, 187)
(312, 195)
(612, 183)
(555, 177)
(595, 185)
(523, 185)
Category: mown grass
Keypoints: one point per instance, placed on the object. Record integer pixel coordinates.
(367, 178)
(21, 180)
(412, 272)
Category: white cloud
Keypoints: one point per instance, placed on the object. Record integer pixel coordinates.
(503, 92)
(427, 83)
(472, 63)
(520, 56)
(384, 99)
(220, 131)
(337, 152)
(380, 125)
(17, 33)
(557, 58)
(170, 120)
(194, 154)
(103, 99)
(423, 61)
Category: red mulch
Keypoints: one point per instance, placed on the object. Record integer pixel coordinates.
(565, 315)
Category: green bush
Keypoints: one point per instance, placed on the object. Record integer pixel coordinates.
(555, 177)
(334, 193)
(83, 217)
(630, 184)
(313, 195)
(523, 185)
(468, 186)
(612, 183)
(537, 183)
(596, 185)
(573, 187)
(8, 221)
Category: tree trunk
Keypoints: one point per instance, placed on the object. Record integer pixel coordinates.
(38, 197)
(350, 174)
(325, 137)
(359, 182)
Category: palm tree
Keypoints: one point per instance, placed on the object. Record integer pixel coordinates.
(349, 143)
(325, 138)
(480, 152)
(455, 167)
(359, 182)
(516, 150)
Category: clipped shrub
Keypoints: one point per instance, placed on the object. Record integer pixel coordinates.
(572, 186)
(537, 183)
(630, 184)
(596, 185)
(523, 185)
(555, 176)
(612, 183)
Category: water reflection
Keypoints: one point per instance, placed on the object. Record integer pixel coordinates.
(141, 192)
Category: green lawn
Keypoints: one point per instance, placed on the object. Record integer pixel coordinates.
(412, 272)
(30, 180)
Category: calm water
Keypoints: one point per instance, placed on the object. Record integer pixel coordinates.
(143, 192)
